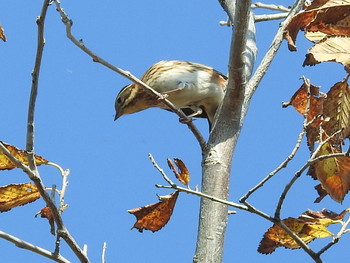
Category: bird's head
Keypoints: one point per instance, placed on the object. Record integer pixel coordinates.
(131, 99)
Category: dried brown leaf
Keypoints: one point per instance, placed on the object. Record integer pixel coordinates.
(182, 174)
(7, 164)
(300, 98)
(153, 217)
(13, 195)
(328, 17)
(46, 213)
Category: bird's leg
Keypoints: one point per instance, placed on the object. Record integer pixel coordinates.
(196, 111)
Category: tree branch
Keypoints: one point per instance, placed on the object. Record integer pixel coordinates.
(261, 18)
(28, 246)
(270, 6)
(216, 164)
(172, 185)
(275, 45)
(31, 169)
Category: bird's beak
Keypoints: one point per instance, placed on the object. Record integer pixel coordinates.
(118, 113)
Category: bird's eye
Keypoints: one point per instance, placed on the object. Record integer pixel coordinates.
(119, 100)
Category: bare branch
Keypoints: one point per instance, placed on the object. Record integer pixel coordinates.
(275, 45)
(297, 175)
(64, 174)
(290, 156)
(34, 90)
(270, 6)
(261, 18)
(201, 194)
(172, 185)
(104, 248)
(28, 246)
(166, 178)
(79, 43)
(31, 169)
(280, 167)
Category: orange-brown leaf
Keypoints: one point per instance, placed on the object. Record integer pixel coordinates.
(46, 213)
(329, 17)
(333, 173)
(300, 98)
(2, 34)
(309, 226)
(182, 174)
(153, 217)
(13, 195)
(7, 164)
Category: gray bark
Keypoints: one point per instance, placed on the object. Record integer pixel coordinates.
(217, 158)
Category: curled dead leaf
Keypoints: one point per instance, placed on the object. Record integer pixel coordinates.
(153, 217)
(46, 213)
(328, 17)
(182, 174)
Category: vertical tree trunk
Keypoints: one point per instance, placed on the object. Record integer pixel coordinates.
(216, 166)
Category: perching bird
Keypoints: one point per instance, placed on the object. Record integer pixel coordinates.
(194, 88)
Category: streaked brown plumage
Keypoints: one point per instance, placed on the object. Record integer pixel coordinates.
(195, 88)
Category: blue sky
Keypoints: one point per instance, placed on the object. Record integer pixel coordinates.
(109, 168)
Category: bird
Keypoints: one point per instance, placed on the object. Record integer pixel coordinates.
(194, 88)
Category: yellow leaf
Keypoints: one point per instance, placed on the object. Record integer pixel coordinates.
(13, 195)
(309, 226)
(7, 164)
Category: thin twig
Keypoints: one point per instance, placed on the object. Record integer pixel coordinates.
(166, 178)
(28, 246)
(172, 185)
(311, 161)
(297, 175)
(335, 240)
(104, 248)
(274, 47)
(280, 167)
(269, 17)
(62, 206)
(201, 194)
(68, 23)
(31, 169)
(64, 174)
(254, 210)
(270, 6)
(35, 82)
